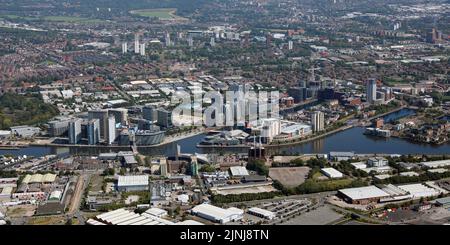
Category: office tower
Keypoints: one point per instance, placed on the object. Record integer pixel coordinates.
(163, 167)
(150, 113)
(439, 35)
(290, 45)
(318, 121)
(371, 91)
(58, 127)
(75, 131)
(433, 36)
(299, 94)
(178, 153)
(246, 41)
(93, 131)
(136, 43)
(167, 40)
(102, 116)
(268, 39)
(228, 114)
(142, 49)
(194, 166)
(120, 114)
(124, 48)
(190, 41)
(144, 124)
(111, 137)
(164, 118)
(212, 42)
(271, 127)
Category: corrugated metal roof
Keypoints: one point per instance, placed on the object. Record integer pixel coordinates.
(365, 192)
(132, 180)
(238, 171)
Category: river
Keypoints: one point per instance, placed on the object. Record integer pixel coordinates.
(349, 140)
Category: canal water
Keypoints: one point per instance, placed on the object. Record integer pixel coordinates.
(349, 140)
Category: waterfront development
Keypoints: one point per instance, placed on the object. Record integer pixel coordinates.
(273, 112)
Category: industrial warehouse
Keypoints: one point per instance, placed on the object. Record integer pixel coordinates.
(216, 214)
(126, 217)
(388, 193)
(133, 183)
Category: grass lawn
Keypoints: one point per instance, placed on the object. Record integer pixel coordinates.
(341, 182)
(317, 175)
(164, 14)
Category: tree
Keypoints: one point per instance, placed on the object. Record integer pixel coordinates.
(259, 166)
(208, 168)
(108, 172)
(148, 161)
(139, 160)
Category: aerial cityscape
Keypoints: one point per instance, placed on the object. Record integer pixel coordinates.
(225, 112)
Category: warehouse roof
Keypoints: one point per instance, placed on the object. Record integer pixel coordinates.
(39, 178)
(341, 154)
(94, 222)
(333, 173)
(126, 217)
(238, 171)
(443, 201)
(6, 191)
(261, 211)
(133, 180)
(216, 212)
(130, 159)
(156, 212)
(365, 192)
(55, 195)
(436, 164)
(189, 222)
(419, 190)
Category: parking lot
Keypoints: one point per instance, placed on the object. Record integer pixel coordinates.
(320, 216)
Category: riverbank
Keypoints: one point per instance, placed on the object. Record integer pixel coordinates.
(166, 141)
(302, 141)
(312, 138)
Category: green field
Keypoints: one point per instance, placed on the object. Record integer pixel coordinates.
(162, 14)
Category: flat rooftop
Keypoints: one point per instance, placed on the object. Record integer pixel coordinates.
(366, 192)
(133, 180)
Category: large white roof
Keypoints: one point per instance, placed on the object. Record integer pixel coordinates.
(189, 222)
(436, 164)
(216, 212)
(332, 172)
(133, 180)
(419, 190)
(39, 178)
(261, 211)
(156, 212)
(238, 171)
(365, 192)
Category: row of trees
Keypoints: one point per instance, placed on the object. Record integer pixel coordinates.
(244, 197)
(314, 186)
(259, 166)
